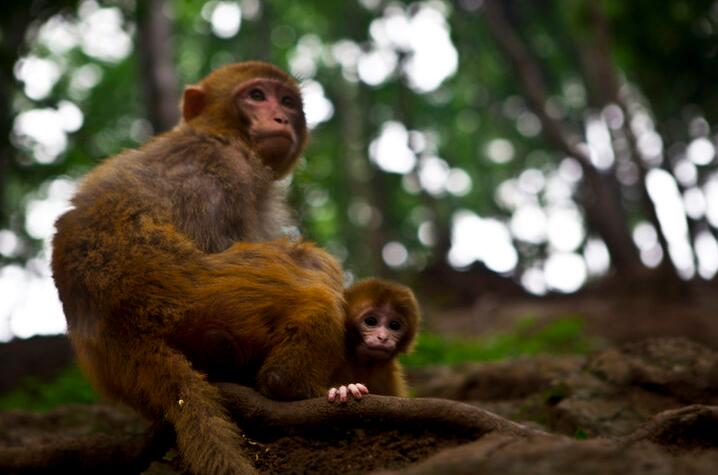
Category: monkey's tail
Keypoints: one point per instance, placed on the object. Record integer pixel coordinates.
(160, 382)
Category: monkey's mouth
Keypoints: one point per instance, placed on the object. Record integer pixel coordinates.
(273, 135)
(274, 146)
(378, 352)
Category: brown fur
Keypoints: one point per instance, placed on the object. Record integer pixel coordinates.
(381, 377)
(173, 244)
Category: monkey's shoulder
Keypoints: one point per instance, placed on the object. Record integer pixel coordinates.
(184, 155)
(210, 189)
(113, 178)
(171, 163)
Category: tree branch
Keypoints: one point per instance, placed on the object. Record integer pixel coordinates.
(532, 81)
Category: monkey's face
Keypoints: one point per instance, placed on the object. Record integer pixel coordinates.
(381, 331)
(274, 114)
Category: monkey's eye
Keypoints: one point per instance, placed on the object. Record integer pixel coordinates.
(394, 325)
(288, 101)
(257, 94)
(371, 320)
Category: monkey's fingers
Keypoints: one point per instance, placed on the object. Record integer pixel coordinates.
(358, 390)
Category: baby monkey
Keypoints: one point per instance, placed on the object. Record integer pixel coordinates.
(381, 322)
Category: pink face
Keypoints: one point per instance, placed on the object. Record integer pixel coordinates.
(381, 331)
(275, 113)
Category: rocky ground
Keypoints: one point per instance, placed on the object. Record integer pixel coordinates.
(638, 408)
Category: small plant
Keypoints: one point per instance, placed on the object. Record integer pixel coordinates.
(580, 434)
(70, 387)
(562, 336)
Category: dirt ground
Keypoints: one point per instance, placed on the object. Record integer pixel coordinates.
(643, 408)
(353, 451)
(637, 406)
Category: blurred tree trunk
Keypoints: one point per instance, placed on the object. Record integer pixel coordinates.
(601, 76)
(440, 214)
(13, 26)
(15, 19)
(600, 198)
(365, 182)
(439, 278)
(360, 177)
(263, 46)
(155, 47)
(377, 194)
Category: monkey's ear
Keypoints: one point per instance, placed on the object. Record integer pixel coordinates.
(193, 102)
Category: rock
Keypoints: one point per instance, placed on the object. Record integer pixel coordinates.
(609, 393)
(498, 454)
(677, 367)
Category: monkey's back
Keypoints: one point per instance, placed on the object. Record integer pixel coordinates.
(145, 213)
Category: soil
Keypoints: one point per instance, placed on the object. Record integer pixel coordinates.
(353, 451)
(637, 406)
(645, 407)
(349, 451)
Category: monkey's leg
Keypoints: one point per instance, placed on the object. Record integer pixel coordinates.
(153, 377)
(311, 347)
(270, 300)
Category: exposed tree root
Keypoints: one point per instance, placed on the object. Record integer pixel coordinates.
(671, 440)
(257, 413)
(690, 427)
(687, 428)
(253, 412)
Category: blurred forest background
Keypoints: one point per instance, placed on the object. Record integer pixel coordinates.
(493, 155)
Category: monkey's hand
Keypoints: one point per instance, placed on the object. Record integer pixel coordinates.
(355, 389)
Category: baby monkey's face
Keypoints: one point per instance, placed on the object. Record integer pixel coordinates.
(381, 330)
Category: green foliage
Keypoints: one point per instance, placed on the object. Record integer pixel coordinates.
(479, 103)
(562, 336)
(70, 387)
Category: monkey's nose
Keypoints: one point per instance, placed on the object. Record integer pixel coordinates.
(281, 120)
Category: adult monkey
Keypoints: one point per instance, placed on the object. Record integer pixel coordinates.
(179, 240)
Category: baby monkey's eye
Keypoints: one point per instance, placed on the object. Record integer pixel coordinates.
(288, 101)
(257, 94)
(394, 325)
(371, 320)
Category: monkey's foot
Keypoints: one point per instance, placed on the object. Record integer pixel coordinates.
(355, 389)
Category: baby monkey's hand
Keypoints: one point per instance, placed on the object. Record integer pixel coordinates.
(355, 389)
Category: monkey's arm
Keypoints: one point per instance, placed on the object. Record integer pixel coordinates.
(387, 380)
